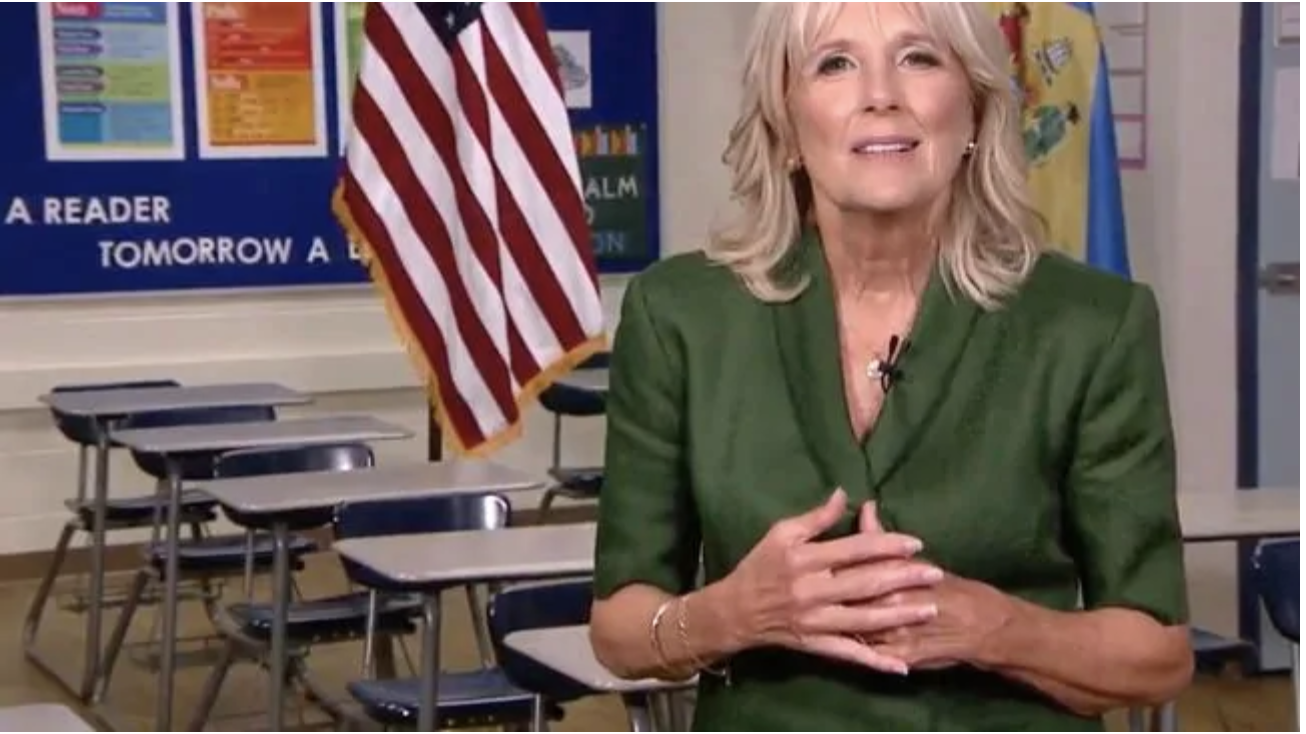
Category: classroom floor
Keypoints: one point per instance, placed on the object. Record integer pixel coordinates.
(1225, 704)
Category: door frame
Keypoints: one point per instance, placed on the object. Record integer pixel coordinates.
(1248, 288)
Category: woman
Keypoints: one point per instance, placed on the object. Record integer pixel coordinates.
(928, 469)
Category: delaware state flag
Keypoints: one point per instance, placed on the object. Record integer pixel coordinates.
(1059, 70)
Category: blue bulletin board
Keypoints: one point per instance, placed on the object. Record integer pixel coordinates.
(148, 148)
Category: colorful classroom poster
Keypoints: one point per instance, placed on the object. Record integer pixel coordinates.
(614, 176)
(259, 84)
(110, 81)
(349, 49)
(575, 67)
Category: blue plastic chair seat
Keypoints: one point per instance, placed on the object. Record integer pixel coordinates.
(225, 553)
(1206, 642)
(466, 699)
(1278, 582)
(324, 620)
(1211, 650)
(573, 401)
(196, 506)
(579, 481)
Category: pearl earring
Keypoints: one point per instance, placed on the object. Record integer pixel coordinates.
(970, 148)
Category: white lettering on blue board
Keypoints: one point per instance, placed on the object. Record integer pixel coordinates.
(100, 210)
(193, 251)
(318, 252)
(18, 212)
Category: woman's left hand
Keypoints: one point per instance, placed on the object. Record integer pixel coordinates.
(971, 616)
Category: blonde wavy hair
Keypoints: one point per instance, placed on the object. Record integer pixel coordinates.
(990, 236)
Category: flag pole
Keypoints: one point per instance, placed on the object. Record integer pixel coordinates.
(434, 437)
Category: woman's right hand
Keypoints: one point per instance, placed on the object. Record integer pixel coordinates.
(794, 591)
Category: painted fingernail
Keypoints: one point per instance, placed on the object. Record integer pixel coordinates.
(929, 611)
(915, 546)
(932, 574)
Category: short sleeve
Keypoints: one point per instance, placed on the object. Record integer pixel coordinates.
(1121, 499)
(647, 526)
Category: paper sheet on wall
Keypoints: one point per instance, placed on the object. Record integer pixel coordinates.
(1124, 34)
(1285, 133)
(1287, 23)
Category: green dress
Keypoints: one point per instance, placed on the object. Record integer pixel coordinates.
(1029, 447)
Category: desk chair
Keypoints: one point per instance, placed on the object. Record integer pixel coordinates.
(546, 604)
(120, 513)
(1278, 583)
(204, 559)
(564, 401)
(537, 606)
(476, 698)
(247, 626)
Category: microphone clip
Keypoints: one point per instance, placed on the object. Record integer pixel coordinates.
(888, 370)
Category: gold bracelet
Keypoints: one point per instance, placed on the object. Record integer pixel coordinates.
(682, 627)
(653, 633)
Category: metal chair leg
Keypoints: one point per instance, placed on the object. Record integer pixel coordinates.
(1166, 717)
(1296, 686)
(369, 638)
(320, 697)
(481, 627)
(539, 714)
(384, 661)
(682, 710)
(639, 713)
(663, 709)
(546, 502)
(212, 687)
(109, 657)
(32, 623)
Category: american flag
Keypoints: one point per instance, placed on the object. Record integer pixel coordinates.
(462, 188)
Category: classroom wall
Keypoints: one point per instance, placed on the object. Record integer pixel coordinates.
(1182, 225)
(339, 346)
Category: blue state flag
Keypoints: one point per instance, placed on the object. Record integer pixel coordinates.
(1059, 69)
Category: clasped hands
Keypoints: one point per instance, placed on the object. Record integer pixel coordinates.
(864, 598)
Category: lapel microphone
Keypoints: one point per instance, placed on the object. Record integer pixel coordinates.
(888, 370)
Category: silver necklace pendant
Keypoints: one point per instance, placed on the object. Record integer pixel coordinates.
(875, 369)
